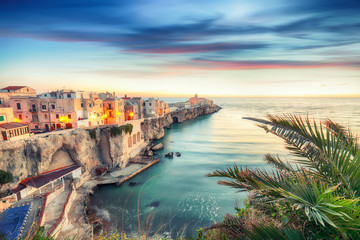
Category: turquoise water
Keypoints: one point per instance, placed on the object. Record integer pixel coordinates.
(174, 197)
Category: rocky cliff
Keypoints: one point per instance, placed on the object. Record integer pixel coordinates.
(42, 153)
(153, 128)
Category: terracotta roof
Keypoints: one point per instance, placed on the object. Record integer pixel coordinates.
(48, 177)
(13, 87)
(12, 125)
(18, 188)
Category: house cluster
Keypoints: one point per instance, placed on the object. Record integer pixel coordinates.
(192, 102)
(23, 111)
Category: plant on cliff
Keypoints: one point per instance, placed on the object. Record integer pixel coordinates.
(315, 197)
(127, 128)
(5, 177)
(114, 131)
(92, 133)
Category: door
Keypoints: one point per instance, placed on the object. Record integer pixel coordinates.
(46, 127)
(18, 195)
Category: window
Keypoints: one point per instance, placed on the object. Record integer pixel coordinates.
(150, 104)
(35, 118)
(43, 107)
(90, 105)
(20, 116)
(57, 115)
(27, 90)
(109, 105)
(69, 116)
(18, 106)
(52, 106)
(82, 105)
(68, 95)
(2, 118)
(0, 101)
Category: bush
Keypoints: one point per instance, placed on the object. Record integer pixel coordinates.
(5, 177)
(92, 133)
(127, 128)
(114, 131)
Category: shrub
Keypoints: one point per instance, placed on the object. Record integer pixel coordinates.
(92, 133)
(114, 131)
(127, 128)
(5, 177)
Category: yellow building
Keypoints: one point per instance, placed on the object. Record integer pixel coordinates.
(11, 130)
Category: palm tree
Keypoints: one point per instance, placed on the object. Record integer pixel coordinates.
(316, 195)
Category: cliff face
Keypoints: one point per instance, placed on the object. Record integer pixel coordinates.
(153, 128)
(42, 153)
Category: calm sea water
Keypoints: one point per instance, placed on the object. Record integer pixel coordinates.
(174, 197)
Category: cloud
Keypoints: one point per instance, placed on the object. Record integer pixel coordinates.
(125, 26)
(258, 65)
(196, 48)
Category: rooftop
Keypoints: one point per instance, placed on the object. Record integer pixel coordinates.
(13, 87)
(47, 177)
(12, 125)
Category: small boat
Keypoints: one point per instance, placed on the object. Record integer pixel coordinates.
(178, 154)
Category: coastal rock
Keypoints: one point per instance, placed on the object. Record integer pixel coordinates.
(169, 155)
(157, 147)
(153, 128)
(133, 184)
(150, 153)
(153, 204)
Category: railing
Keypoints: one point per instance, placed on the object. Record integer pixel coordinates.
(43, 206)
(32, 110)
(50, 231)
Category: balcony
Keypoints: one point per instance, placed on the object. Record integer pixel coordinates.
(32, 110)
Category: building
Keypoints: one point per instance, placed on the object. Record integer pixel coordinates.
(140, 103)
(11, 130)
(151, 107)
(196, 101)
(114, 111)
(131, 111)
(6, 93)
(44, 113)
(45, 181)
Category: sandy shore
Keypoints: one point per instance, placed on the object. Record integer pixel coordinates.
(77, 226)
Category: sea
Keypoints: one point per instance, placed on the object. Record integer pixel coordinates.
(174, 198)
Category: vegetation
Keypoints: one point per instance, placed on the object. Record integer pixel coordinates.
(5, 177)
(92, 133)
(127, 128)
(315, 197)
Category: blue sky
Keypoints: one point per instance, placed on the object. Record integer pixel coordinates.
(177, 48)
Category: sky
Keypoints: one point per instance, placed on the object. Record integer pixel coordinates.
(173, 48)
